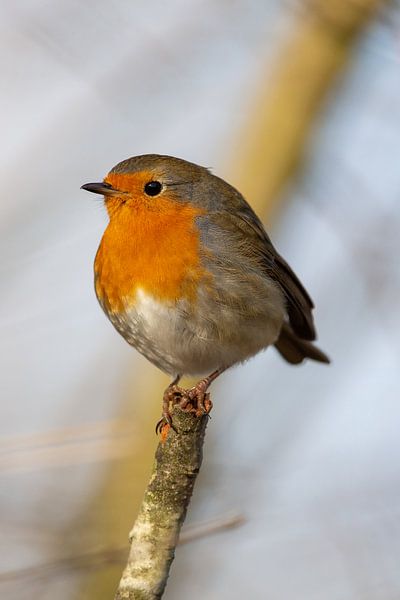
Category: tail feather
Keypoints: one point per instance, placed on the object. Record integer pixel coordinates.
(295, 350)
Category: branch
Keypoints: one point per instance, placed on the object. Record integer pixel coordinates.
(156, 530)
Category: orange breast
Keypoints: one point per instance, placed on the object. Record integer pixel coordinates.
(153, 246)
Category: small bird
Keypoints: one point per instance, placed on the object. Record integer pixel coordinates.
(188, 276)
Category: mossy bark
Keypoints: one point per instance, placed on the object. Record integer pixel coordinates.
(155, 533)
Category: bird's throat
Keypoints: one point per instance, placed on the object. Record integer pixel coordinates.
(157, 251)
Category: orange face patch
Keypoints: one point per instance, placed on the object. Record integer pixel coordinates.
(151, 243)
(131, 186)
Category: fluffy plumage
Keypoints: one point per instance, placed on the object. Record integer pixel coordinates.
(189, 277)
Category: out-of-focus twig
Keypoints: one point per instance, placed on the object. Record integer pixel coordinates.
(96, 559)
(203, 529)
(91, 442)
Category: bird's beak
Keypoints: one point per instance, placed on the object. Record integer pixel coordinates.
(100, 188)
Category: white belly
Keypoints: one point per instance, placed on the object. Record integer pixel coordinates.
(186, 340)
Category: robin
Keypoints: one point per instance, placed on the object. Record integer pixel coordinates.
(188, 276)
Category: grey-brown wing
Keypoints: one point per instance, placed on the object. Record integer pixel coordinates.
(299, 303)
(243, 231)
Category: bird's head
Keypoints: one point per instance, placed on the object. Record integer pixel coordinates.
(150, 181)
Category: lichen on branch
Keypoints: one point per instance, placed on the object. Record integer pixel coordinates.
(155, 533)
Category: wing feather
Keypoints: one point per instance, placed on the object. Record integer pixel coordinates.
(247, 230)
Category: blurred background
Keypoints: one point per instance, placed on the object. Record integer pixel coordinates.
(297, 104)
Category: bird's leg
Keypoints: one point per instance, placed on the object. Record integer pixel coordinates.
(196, 399)
(172, 395)
(198, 395)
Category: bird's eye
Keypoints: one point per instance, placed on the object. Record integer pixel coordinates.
(153, 188)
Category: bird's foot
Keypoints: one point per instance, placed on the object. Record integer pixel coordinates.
(198, 399)
(195, 400)
(172, 396)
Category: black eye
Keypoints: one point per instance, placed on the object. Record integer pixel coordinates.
(152, 188)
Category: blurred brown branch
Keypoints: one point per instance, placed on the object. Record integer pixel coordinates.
(155, 533)
(313, 55)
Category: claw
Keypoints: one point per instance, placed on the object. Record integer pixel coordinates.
(165, 422)
(191, 401)
(196, 400)
(171, 396)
